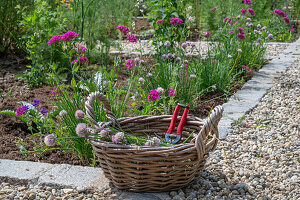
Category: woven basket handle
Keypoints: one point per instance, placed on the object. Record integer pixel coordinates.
(210, 127)
(89, 107)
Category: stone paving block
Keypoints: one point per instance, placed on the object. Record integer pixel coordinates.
(223, 132)
(249, 95)
(144, 196)
(23, 170)
(75, 176)
(238, 106)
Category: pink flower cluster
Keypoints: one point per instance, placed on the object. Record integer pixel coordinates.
(123, 29)
(50, 140)
(82, 60)
(172, 92)
(176, 21)
(160, 21)
(21, 110)
(247, 2)
(251, 11)
(246, 68)
(244, 11)
(129, 63)
(213, 9)
(54, 40)
(241, 35)
(57, 92)
(68, 36)
(279, 12)
(131, 37)
(153, 95)
(207, 34)
(227, 19)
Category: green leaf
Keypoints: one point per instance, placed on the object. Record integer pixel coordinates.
(73, 83)
(8, 112)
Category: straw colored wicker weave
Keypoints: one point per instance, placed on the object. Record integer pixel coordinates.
(154, 169)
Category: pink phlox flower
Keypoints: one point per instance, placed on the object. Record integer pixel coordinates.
(241, 36)
(129, 63)
(160, 21)
(153, 95)
(131, 37)
(244, 11)
(57, 92)
(73, 62)
(227, 19)
(55, 40)
(293, 28)
(83, 60)
(241, 30)
(21, 110)
(213, 9)
(176, 21)
(251, 11)
(247, 2)
(246, 68)
(172, 92)
(279, 12)
(123, 29)
(69, 36)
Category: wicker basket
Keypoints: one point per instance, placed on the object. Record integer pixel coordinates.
(149, 169)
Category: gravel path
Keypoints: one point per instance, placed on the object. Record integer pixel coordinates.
(258, 160)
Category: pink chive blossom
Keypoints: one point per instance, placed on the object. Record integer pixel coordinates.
(258, 40)
(81, 130)
(270, 36)
(293, 28)
(258, 26)
(207, 34)
(153, 95)
(131, 38)
(188, 55)
(286, 20)
(214, 87)
(129, 63)
(255, 31)
(239, 50)
(238, 17)
(186, 61)
(117, 138)
(241, 36)
(167, 43)
(241, 30)
(160, 21)
(244, 124)
(21, 110)
(172, 93)
(227, 19)
(247, 2)
(244, 11)
(251, 11)
(246, 68)
(50, 140)
(68, 36)
(213, 9)
(184, 45)
(164, 56)
(149, 75)
(54, 40)
(186, 66)
(229, 56)
(79, 114)
(56, 92)
(178, 59)
(123, 29)
(141, 80)
(63, 113)
(103, 133)
(155, 141)
(170, 55)
(264, 28)
(230, 32)
(176, 21)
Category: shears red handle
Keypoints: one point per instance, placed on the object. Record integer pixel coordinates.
(173, 123)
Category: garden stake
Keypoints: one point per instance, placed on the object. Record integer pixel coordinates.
(180, 126)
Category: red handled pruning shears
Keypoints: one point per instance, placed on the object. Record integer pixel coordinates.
(180, 126)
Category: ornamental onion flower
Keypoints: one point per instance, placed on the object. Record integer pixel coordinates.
(103, 133)
(160, 90)
(214, 87)
(81, 130)
(244, 11)
(153, 95)
(239, 50)
(141, 80)
(118, 137)
(170, 55)
(63, 113)
(178, 59)
(155, 141)
(167, 43)
(50, 140)
(207, 34)
(241, 36)
(241, 30)
(79, 114)
(176, 21)
(270, 36)
(172, 92)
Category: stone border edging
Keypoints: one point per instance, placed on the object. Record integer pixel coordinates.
(85, 178)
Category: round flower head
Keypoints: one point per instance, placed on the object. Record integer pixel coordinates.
(79, 114)
(44, 111)
(153, 95)
(156, 141)
(186, 66)
(244, 124)
(176, 21)
(239, 50)
(91, 130)
(160, 90)
(207, 34)
(74, 62)
(36, 103)
(270, 36)
(167, 43)
(149, 74)
(258, 40)
(55, 40)
(68, 36)
(255, 31)
(214, 87)
(229, 56)
(244, 11)
(172, 93)
(241, 36)
(164, 56)
(141, 80)
(264, 28)
(103, 133)
(248, 19)
(188, 55)
(63, 113)
(129, 63)
(184, 45)
(160, 21)
(123, 29)
(238, 17)
(131, 37)
(178, 59)
(118, 137)
(81, 130)
(258, 26)
(213, 9)
(241, 30)
(170, 55)
(186, 61)
(251, 11)
(247, 2)
(286, 20)
(50, 140)
(83, 60)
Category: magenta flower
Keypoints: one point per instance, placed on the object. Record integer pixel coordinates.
(68, 36)
(176, 21)
(227, 19)
(54, 40)
(207, 34)
(293, 28)
(251, 11)
(81, 130)
(57, 92)
(178, 59)
(279, 12)
(172, 93)
(186, 66)
(213, 9)
(83, 60)
(214, 87)
(167, 43)
(123, 29)
(246, 68)
(247, 2)
(79, 114)
(21, 110)
(50, 140)
(241, 36)
(129, 63)
(286, 20)
(131, 38)
(244, 11)
(153, 95)
(241, 30)
(118, 137)
(160, 21)
(73, 62)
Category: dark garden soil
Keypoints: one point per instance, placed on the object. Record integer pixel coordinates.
(13, 90)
